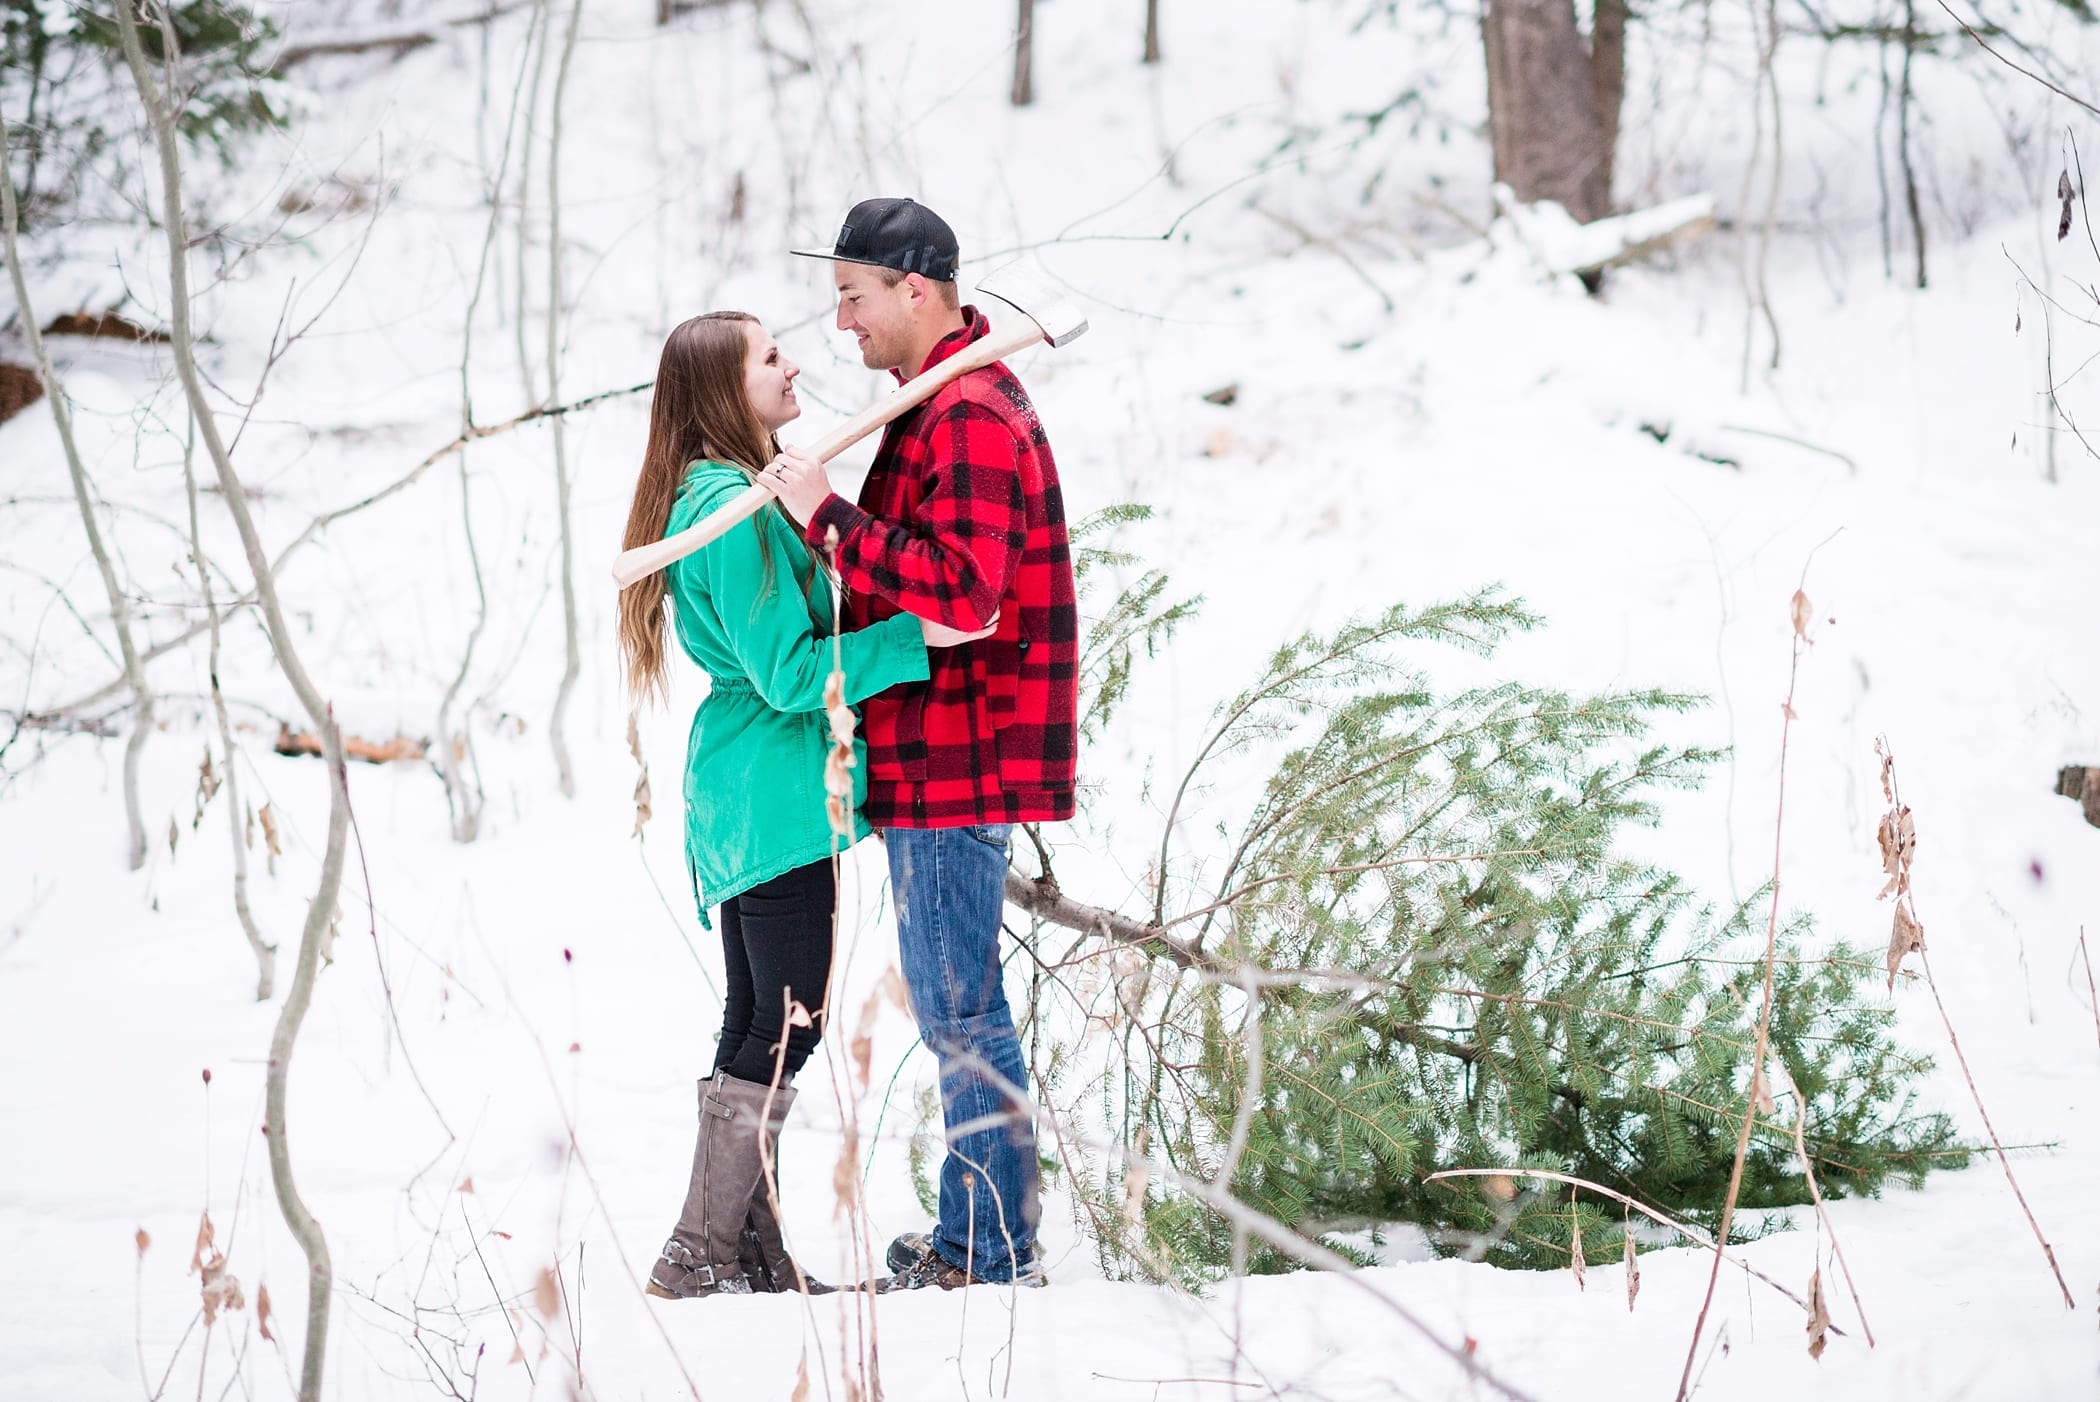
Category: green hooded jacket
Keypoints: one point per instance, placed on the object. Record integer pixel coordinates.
(754, 769)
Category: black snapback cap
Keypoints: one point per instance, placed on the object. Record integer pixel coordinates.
(893, 233)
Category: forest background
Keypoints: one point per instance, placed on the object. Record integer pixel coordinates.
(1815, 313)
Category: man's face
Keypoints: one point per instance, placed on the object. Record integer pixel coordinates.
(880, 318)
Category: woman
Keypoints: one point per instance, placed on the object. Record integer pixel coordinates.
(754, 610)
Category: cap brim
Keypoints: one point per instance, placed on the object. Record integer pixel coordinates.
(834, 257)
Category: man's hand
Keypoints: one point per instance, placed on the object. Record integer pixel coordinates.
(799, 482)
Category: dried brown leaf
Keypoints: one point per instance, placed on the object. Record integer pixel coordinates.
(221, 1291)
(1136, 1176)
(642, 810)
(141, 1240)
(839, 713)
(1575, 1261)
(1803, 611)
(801, 1392)
(891, 986)
(174, 834)
(203, 1247)
(269, 827)
(546, 1293)
(466, 1185)
(262, 1311)
(1905, 935)
(207, 785)
(862, 1050)
(1633, 1269)
(862, 1046)
(1897, 836)
(1818, 1315)
(2067, 195)
(845, 1174)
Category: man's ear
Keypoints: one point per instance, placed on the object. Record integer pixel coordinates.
(920, 292)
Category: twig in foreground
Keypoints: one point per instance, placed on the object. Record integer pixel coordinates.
(1759, 1097)
(1898, 846)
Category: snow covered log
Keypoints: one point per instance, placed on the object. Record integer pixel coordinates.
(1561, 245)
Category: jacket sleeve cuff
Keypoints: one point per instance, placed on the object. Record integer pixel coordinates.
(884, 655)
(833, 512)
(906, 646)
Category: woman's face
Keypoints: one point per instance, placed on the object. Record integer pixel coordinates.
(769, 379)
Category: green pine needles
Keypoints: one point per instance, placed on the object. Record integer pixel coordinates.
(1420, 949)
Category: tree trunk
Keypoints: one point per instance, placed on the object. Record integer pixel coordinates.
(1553, 100)
(1152, 31)
(1024, 56)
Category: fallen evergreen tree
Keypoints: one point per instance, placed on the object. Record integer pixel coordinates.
(1421, 950)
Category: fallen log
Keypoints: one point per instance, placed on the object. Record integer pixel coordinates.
(105, 325)
(301, 742)
(2082, 782)
(1551, 235)
(20, 387)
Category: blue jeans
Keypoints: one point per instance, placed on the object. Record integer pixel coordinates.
(949, 885)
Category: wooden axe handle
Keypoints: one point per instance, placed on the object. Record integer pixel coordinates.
(645, 560)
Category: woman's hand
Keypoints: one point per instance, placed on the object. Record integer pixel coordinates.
(941, 635)
(799, 481)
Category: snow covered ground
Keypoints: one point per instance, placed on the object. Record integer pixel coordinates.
(1406, 428)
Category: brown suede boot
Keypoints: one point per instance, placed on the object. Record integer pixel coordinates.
(701, 1257)
(762, 1251)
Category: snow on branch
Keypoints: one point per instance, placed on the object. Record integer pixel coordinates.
(1560, 245)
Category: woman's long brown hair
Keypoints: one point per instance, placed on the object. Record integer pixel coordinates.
(699, 410)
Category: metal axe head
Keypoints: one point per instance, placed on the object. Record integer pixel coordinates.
(1061, 322)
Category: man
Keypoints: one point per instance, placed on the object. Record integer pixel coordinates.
(960, 521)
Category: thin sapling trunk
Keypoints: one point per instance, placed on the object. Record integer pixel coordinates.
(573, 659)
(119, 606)
(304, 1228)
(265, 952)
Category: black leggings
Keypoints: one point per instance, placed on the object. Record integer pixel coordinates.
(776, 944)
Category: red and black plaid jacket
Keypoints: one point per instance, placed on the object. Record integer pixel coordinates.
(961, 517)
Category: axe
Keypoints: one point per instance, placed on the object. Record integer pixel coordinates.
(1043, 317)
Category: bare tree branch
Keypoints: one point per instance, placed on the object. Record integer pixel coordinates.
(119, 605)
(305, 1229)
(573, 657)
(2069, 97)
(265, 952)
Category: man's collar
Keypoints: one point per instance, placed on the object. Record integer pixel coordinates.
(974, 326)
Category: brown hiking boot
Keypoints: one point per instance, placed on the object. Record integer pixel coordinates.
(700, 1259)
(918, 1266)
(761, 1250)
